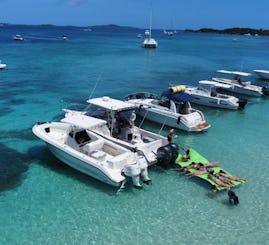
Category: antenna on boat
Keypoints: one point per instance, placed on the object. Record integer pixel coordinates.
(242, 64)
(93, 90)
(95, 85)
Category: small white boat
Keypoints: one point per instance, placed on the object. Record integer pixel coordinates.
(2, 66)
(240, 87)
(172, 109)
(149, 43)
(264, 74)
(120, 127)
(18, 37)
(91, 154)
(206, 94)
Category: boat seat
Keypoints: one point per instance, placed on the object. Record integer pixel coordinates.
(93, 146)
(119, 161)
(99, 155)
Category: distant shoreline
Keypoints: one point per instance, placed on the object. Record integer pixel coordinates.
(232, 31)
(111, 26)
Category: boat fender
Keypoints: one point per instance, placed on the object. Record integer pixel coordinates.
(178, 120)
(178, 89)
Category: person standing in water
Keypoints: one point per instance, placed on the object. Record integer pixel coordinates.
(170, 136)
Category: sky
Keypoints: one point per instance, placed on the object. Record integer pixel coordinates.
(166, 14)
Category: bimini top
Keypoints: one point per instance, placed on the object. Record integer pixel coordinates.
(80, 120)
(178, 97)
(111, 104)
(214, 84)
(239, 73)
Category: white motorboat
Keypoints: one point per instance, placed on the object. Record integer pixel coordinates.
(206, 94)
(91, 154)
(149, 42)
(263, 74)
(120, 128)
(240, 87)
(172, 109)
(18, 37)
(2, 66)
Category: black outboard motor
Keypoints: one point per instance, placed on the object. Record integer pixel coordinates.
(265, 90)
(242, 103)
(167, 155)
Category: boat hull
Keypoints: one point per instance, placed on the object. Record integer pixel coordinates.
(173, 121)
(263, 74)
(81, 166)
(53, 134)
(214, 102)
(240, 90)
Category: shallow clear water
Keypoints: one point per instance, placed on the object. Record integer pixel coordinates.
(43, 201)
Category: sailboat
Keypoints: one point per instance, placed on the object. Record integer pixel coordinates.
(149, 42)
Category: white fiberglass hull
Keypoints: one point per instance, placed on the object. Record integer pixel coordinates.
(250, 90)
(149, 43)
(264, 74)
(214, 102)
(74, 158)
(202, 97)
(174, 120)
(83, 166)
(3, 66)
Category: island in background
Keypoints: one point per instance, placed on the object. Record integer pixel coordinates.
(233, 31)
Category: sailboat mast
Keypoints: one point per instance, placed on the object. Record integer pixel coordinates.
(150, 20)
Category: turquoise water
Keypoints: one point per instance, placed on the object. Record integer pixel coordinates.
(43, 201)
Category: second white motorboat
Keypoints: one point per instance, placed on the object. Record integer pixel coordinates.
(2, 66)
(91, 154)
(120, 127)
(172, 109)
(206, 94)
(240, 87)
(263, 74)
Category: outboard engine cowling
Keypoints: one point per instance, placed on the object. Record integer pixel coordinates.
(167, 155)
(133, 171)
(242, 103)
(265, 90)
(142, 162)
(175, 150)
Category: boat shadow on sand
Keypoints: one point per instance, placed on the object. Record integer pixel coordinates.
(13, 167)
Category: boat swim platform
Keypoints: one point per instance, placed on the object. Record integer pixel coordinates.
(196, 157)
